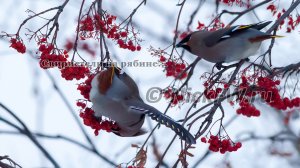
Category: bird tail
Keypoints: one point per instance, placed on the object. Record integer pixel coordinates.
(263, 37)
(163, 119)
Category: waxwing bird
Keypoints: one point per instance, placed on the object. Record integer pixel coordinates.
(115, 95)
(227, 44)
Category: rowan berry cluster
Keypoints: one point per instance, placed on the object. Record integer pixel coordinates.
(173, 67)
(93, 26)
(275, 100)
(216, 24)
(48, 54)
(174, 96)
(85, 87)
(291, 21)
(52, 57)
(217, 144)
(212, 93)
(236, 2)
(81, 104)
(267, 89)
(245, 96)
(18, 45)
(247, 109)
(76, 72)
(96, 123)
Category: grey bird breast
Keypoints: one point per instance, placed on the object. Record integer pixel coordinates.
(111, 104)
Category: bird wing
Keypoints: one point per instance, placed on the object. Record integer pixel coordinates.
(129, 82)
(161, 118)
(227, 33)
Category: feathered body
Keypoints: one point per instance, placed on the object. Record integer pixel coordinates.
(228, 44)
(115, 95)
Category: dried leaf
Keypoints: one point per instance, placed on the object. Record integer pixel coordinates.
(140, 158)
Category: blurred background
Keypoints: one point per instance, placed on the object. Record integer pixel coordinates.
(46, 103)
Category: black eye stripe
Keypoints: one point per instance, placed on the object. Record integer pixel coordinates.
(186, 39)
(188, 48)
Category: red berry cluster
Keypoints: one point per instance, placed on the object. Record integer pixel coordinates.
(176, 98)
(237, 2)
(217, 24)
(272, 8)
(211, 93)
(267, 90)
(86, 87)
(87, 24)
(244, 87)
(216, 144)
(81, 104)
(49, 58)
(18, 45)
(291, 21)
(175, 69)
(76, 72)
(273, 98)
(129, 45)
(247, 110)
(244, 98)
(126, 38)
(95, 123)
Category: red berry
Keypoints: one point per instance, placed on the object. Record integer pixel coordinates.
(238, 145)
(203, 139)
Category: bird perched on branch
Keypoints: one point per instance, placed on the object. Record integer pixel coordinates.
(115, 95)
(228, 44)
